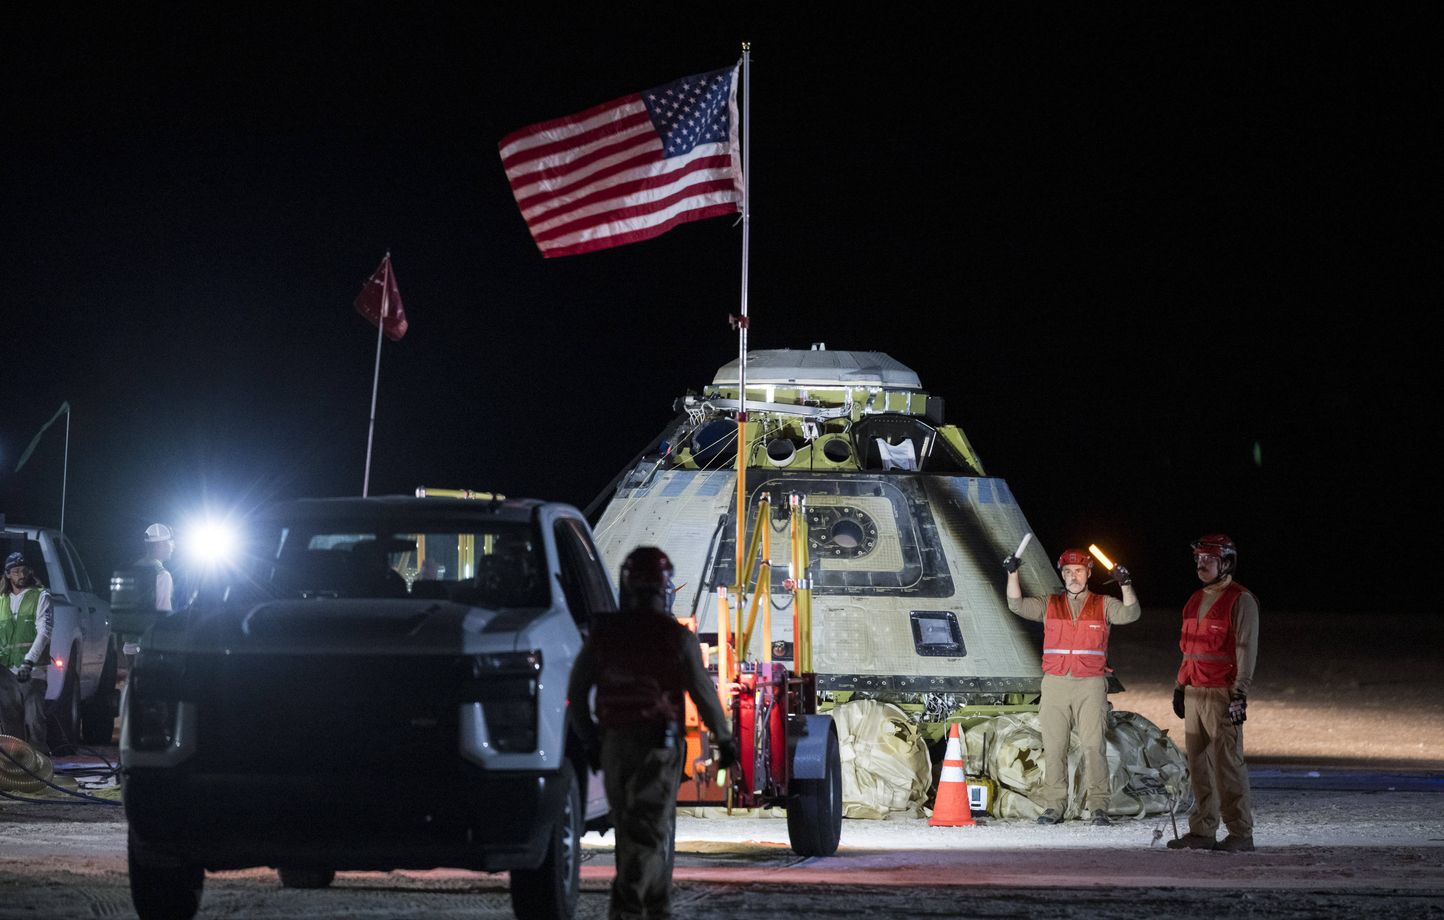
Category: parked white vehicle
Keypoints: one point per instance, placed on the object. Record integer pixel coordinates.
(380, 683)
(80, 698)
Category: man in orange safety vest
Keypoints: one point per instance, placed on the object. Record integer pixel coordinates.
(1075, 677)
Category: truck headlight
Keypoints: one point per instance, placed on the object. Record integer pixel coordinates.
(506, 685)
(153, 724)
(507, 663)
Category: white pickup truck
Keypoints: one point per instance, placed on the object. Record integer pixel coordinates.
(381, 684)
(80, 699)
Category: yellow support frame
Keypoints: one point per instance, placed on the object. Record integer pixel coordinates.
(801, 586)
(734, 637)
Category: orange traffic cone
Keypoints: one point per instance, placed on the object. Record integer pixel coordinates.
(951, 808)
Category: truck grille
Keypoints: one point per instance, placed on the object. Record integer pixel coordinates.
(306, 714)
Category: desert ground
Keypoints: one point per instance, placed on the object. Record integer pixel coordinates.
(1345, 740)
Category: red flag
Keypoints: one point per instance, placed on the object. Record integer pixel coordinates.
(380, 301)
(629, 169)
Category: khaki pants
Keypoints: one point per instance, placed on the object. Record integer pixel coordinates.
(641, 780)
(1074, 704)
(1216, 770)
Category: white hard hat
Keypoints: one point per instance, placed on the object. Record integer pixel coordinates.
(157, 533)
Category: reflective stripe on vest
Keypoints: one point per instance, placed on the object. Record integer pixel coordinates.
(1208, 643)
(1077, 648)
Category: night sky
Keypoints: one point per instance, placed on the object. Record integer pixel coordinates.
(1173, 273)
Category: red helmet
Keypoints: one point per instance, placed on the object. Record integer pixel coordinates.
(1215, 544)
(1220, 547)
(1075, 557)
(646, 569)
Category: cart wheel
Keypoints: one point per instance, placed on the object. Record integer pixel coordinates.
(814, 811)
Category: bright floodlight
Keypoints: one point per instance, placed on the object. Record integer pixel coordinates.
(215, 542)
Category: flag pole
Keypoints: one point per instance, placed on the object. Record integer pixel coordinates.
(65, 468)
(376, 376)
(746, 141)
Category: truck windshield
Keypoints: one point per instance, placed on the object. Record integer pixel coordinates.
(494, 564)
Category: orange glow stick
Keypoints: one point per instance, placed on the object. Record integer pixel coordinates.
(1098, 554)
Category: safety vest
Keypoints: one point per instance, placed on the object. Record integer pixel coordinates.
(18, 629)
(640, 679)
(1075, 648)
(1208, 643)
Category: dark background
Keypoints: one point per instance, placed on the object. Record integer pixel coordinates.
(1174, 271)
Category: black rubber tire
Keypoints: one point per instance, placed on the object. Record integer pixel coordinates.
(164, 892)
(97, 714)
(551, 891)
(298, 877)
(62, 714)
(814, 810)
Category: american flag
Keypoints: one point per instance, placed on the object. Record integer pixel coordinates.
(629, 169)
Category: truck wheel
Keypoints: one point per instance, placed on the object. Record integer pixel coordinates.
(97, 714)
(62, 714)
(814, 811)
(163, 892)
(550, 891)
(296, 877)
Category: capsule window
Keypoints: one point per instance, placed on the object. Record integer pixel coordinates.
(936, 634)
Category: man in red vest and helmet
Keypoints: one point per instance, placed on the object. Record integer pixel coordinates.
(1075, 677)
(1220, 647)
(641, 660)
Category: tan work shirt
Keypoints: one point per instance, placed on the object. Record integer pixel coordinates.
(1114, 610)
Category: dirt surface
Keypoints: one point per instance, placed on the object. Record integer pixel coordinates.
(1364, 690)
(1345, 740)
(1326, 849)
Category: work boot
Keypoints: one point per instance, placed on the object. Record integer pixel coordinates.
(1235, 844)
(1050, 816)
(1191, 842)
(1100, 819)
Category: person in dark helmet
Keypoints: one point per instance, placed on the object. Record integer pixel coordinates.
(1075, 677)
(641, 661)
(1220, 648)
(27, 618)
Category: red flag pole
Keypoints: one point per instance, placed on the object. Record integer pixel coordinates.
(376, 376)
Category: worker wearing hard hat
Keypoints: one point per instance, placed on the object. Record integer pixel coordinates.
(159, 547)
(1220, 647)
(1075, 677)
(641, 661)
(27, 618)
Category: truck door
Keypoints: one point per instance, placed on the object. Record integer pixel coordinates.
(588, 592)
(72, 623)
(94, 613)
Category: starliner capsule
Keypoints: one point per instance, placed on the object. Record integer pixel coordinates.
(904, 531)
